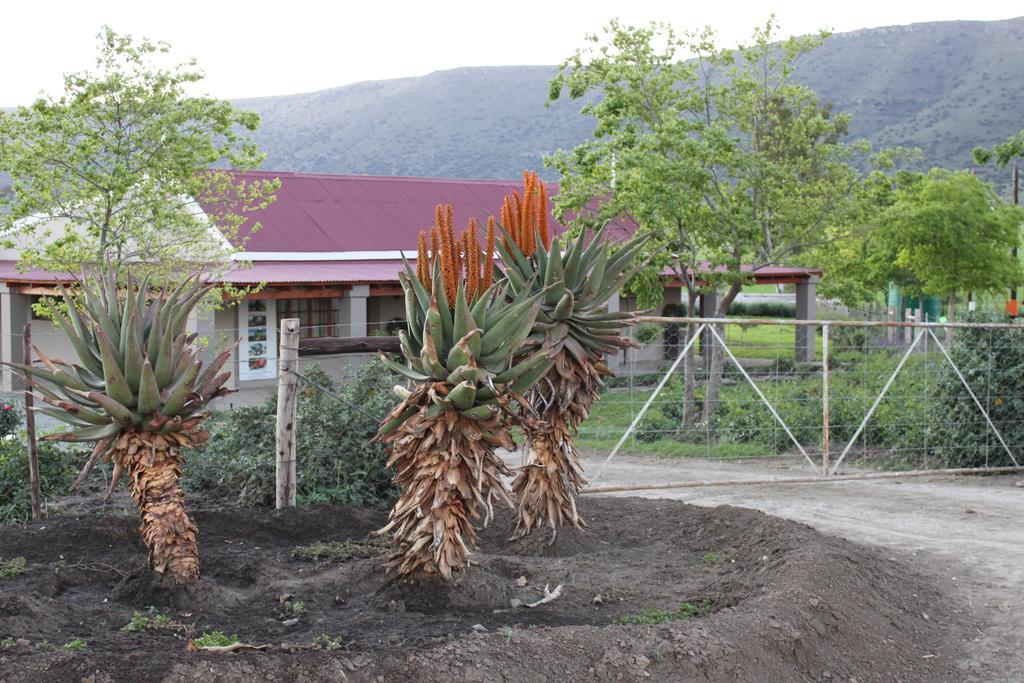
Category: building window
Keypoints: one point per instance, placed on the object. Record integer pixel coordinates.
(316, 316)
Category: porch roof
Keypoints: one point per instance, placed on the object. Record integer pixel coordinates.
(348, 272)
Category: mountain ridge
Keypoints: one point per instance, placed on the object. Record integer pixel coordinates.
(943, 87)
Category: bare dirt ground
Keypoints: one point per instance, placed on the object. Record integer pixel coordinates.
(966, 532)
(652, 590)
(853, 582)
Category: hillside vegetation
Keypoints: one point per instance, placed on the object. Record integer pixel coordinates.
(943, 87)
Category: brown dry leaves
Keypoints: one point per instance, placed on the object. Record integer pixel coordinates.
(449, 476)
(153, 465)
(548, 485)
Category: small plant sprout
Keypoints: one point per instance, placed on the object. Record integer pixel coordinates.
(147, 621)
(76, 645)
(15, 566)
(711, 558)
(292, 610)
(652, 616)
(215, 639)
(325, 554)
(327, 643)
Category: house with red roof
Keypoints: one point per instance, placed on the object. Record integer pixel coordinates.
(328, 252)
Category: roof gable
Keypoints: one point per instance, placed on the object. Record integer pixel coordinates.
(339, 213)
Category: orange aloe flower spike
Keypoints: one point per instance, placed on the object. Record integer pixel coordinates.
(488, 274)
(506, 222)
(542, 217)
(422, 261)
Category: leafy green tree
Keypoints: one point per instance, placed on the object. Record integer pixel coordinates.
(112, 170)
(1004, 152)
(717, 152)
(858, 261)
(950, 232)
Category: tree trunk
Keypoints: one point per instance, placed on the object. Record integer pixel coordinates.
(951, 308)
(717, 365)
(690, 367)
(152, 463)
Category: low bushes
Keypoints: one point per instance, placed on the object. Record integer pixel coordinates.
(336, 461)
(57, 469)
(762, 309)
(902, 421)
(992, 361)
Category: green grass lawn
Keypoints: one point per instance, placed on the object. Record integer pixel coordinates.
(764, 341)
(616, 409)
(770, 342)
(744, 428)
(760, 289)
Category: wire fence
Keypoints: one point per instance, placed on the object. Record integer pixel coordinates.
(859, 396)
(855, 396)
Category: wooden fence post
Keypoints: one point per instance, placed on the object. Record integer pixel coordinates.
(287, 410)
(30, 428)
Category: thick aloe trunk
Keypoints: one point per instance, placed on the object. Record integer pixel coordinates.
(449, 475)
(152, 463)
(548, 485)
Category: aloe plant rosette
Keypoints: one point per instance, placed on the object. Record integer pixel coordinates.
(574, 284)
(138, 391)
(464, 353)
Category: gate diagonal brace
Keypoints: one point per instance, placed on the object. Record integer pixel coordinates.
(763, 398)
(878, 400)
(970, 391)
(654, 395)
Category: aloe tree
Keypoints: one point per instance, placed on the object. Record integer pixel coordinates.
(464, 349)
(573, 285)
(138, 390)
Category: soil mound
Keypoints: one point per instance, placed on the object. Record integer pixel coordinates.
(652, 588)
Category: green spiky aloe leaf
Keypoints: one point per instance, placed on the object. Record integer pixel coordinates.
(136, 368)
(475, 354)
(574, 283)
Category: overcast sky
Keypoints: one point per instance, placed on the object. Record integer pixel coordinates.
(257, 47)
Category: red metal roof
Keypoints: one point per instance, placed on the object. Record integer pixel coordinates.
(318, 212)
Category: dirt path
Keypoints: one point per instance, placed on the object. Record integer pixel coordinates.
(966, 531)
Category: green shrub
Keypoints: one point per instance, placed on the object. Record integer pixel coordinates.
(336, 462)
(843, 338)
(646, 333)
(900, 421)
(762, 309)
(57, 469)
(992, 361)
(649, 379)
(654, 427)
